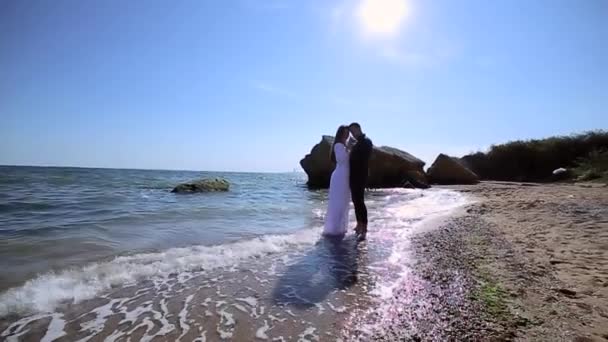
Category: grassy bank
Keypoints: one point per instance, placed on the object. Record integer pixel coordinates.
(593, 167)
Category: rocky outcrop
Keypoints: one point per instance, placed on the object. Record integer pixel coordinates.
(448, 170)
(203, 185)
(389, 167)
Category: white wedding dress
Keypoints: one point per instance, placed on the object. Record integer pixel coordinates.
(336, 219)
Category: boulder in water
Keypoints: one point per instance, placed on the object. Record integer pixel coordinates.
(448, 170)
(203, 185)
(388, 167)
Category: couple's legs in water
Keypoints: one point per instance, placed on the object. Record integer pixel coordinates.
(357, 188)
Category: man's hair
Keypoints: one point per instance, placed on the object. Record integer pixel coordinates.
(355, 125)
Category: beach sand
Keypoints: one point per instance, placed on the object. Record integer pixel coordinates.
(532, 258)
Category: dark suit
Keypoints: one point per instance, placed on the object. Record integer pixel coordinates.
(359, 168)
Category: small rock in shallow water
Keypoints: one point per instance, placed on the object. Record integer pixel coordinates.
(204, 185)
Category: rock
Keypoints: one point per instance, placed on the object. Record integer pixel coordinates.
(567, 292)
(203, 185)
(389, 167)
(448, 170)
(561, 174)
(557, 262)
(559, 171)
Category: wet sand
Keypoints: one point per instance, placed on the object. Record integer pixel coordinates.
(294, 298)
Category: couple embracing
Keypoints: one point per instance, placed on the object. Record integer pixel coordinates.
(348, 181)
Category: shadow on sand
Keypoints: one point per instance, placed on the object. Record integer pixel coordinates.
(331, 265)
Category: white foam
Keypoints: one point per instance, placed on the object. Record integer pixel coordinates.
(224, 334)
(336, 309)
(47, 291)
(276, 319)
(309, 332)
(182, 317)
(55, 329)
(162, 317)
(261, 332)
(95, 326)
(206, 302)
(249, 300)
(226, 320)
(240, 308)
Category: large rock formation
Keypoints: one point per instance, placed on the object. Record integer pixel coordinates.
(203, 185)
(448, 170)
(389, 167)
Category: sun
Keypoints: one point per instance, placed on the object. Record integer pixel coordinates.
(382, 17)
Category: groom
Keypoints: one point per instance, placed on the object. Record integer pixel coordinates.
(359, 164)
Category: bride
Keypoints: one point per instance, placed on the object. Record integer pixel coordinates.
(336, 220)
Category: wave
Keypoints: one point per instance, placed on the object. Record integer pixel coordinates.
(400, 210)
(46, 292)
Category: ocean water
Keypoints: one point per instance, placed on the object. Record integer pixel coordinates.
(112, 255)
(53, 218)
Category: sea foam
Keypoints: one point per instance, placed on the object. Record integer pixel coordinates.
(45, 292)
(403, 208)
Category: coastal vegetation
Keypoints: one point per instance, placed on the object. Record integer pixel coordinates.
(535, 160)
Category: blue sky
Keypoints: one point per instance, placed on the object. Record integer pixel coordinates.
(251, 85)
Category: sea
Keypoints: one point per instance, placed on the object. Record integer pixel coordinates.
(112, 255)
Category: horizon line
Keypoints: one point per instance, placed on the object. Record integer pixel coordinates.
(145, 169)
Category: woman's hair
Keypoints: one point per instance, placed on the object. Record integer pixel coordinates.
(340, 137)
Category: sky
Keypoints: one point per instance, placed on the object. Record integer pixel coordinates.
(252, 85)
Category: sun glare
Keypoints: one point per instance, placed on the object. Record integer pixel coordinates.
(382, 17)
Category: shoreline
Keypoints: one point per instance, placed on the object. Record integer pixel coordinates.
(433, 302)
(517, 262)
(523, 262)
(299, 286)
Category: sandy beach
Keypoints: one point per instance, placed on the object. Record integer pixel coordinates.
(526, 262)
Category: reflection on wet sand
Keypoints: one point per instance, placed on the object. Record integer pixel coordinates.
(332, 265)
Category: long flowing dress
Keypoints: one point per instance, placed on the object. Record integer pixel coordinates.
(336, 220)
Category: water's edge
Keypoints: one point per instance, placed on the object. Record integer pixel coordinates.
(289, 275)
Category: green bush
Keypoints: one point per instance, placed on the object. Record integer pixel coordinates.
(594, 166)
(535, 160)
